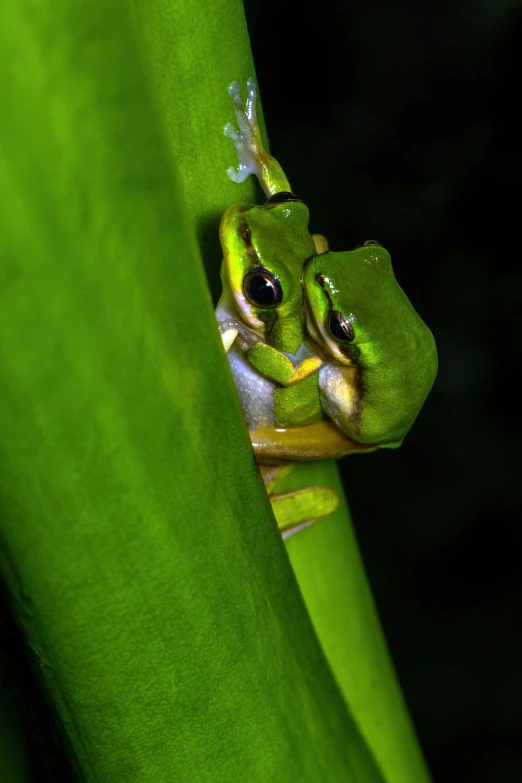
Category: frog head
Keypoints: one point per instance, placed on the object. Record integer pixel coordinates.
(264, 250)
(380, 357)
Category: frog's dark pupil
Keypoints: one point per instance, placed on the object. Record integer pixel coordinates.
(263, 289)
(340, 327)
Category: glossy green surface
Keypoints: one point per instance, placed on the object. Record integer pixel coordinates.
(138, 545)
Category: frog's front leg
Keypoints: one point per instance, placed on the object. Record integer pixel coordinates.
(298, 509)
(253, 158)
(279, 367)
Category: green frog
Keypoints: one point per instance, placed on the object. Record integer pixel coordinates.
(328, 355)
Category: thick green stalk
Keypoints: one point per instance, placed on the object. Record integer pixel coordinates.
(326, 558)
(331, 575)
(142, 560)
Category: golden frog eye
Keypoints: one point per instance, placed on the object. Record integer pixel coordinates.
(262, 288)
(339, 327)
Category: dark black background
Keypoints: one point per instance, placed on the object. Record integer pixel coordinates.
(396, 121)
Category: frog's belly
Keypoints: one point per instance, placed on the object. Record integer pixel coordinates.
(256, 393)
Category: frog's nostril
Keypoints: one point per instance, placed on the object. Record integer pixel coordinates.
(320, 279)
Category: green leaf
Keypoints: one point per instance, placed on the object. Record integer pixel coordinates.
(138, 546)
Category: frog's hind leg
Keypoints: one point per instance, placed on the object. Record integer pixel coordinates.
(296, 510)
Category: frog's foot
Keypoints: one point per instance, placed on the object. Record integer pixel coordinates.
(299, 509)
(277, 366)
(253, 159)
(247, 142)
(271, 363)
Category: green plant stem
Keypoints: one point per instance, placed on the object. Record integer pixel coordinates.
(331, 575)
(338, 598)
(137, 543)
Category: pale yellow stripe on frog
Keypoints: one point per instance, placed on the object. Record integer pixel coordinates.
(306, 368)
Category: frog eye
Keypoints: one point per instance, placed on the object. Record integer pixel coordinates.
(280, 198)
(262, 288)
(339, 327)
(367, 243)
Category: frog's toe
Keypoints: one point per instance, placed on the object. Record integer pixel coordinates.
(240, 174)
(235, 92)
(251, 102)
(231, 133)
